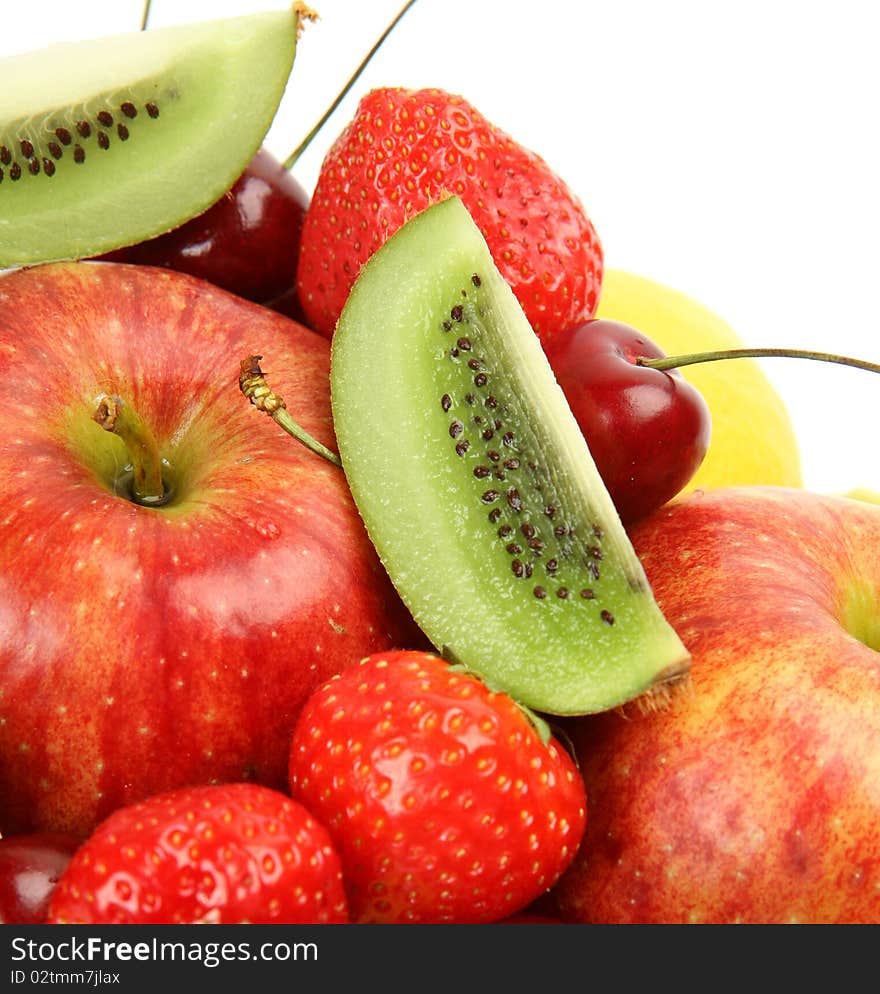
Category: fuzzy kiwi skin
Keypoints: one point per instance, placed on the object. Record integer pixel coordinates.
(476, 485)
(107, 142)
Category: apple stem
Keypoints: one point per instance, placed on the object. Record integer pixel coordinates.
(252, 382)
(691, 358)
(293, 158)
(113, 415)
(145, 15)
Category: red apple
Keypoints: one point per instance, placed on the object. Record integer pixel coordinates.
(144, 648)
(756, 796)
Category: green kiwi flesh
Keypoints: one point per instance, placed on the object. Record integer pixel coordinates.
(107, 142)
(476, 486)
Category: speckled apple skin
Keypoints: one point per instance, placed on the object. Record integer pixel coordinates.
(143, 649)
(756, 796)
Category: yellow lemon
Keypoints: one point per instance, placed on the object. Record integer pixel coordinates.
(864, 494)
(753, 439)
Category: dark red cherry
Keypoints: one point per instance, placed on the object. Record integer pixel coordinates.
(648, 430)
(30, 866)
(247, 242)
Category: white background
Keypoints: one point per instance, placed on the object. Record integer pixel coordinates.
(726, 149)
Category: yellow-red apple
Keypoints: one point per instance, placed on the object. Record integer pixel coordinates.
(755, 797)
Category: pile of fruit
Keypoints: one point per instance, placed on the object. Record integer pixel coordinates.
(523, 626)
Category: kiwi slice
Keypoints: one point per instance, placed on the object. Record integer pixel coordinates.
(107, 142)
(476, 485)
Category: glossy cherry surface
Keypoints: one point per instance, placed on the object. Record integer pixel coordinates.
(247, 242)
(648, 430)
(30, 866)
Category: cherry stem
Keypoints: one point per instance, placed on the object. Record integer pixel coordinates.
(692, 358)
(113, 415)
(294, 156)
(252, 381)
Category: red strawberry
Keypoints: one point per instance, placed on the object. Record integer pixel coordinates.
(218, 854)
(441, 798)
(406, 149)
